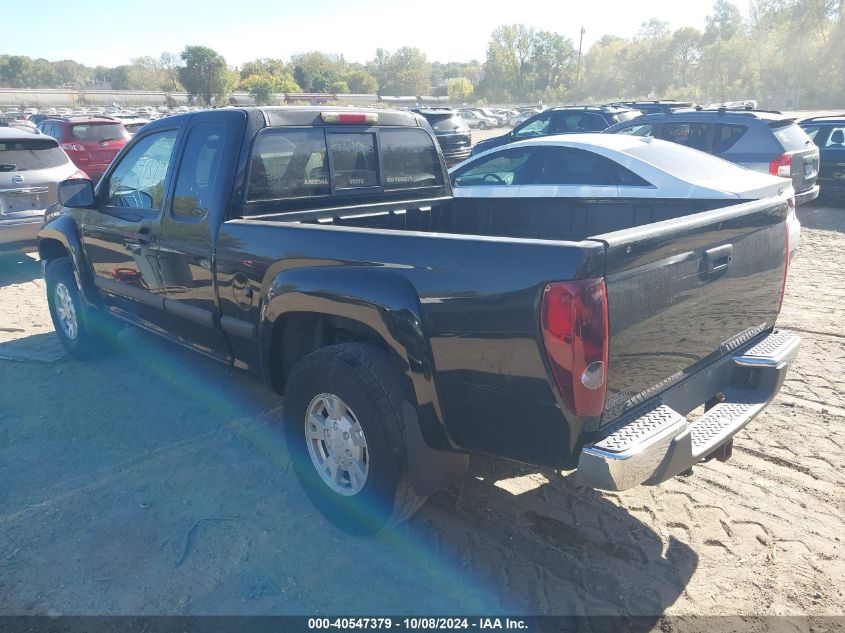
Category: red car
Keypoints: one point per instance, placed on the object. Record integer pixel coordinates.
(90, 141)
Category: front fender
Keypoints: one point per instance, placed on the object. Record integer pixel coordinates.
(383, 301)
(64, 231)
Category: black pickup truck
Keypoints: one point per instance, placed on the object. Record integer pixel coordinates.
(321, 249)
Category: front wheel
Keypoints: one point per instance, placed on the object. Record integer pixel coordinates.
(342, 414)
(482, 126)
(80, 331)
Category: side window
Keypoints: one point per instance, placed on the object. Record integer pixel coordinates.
(836, 139)
(353, 159)
(198, 170)
(537, 127)
(288, 164)
(641, 129)
(503, 168)
(138, 180)
(727, 136)
(568, 166)
(592, 123)
(409, 159)
(689, 134)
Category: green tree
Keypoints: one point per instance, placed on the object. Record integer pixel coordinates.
(459, 89)
(507, 69)
(553, 60)
(316, 71)
(405, 72)
(262, 87)
(204, 73)
(360, 81)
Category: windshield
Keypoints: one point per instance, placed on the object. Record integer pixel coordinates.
(98, 132)
(28, 155)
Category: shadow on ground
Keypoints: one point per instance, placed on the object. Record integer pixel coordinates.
(824, 214)
(154, 481)
(16, 268)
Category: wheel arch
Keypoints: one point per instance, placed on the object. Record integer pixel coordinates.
(374, 306)
(60, 238)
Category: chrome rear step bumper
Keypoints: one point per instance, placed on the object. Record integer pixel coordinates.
(655, 442)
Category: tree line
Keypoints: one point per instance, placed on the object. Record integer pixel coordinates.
(785, 53)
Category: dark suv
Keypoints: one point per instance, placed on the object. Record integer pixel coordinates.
(761, 140)
(90, 141)
(828, 133)
(568, 120)
(452, 132)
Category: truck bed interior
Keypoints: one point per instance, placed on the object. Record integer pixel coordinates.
(534, 218)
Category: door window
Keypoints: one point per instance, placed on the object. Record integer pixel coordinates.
(569, 166)
(537, 127)
(836, 139)
(641, 129)
(198, 170)
(688, 134)
(501, 169)
(727, 136)
(138, 180)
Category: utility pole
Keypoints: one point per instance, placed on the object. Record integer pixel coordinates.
(578, 67)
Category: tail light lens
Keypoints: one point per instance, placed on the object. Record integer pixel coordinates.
(73, 147)
(781, 166)
(79, 174)
(575, 334)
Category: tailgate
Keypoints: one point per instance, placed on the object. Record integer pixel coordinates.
(683, 292)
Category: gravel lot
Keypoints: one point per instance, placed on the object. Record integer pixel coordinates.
(155, 482)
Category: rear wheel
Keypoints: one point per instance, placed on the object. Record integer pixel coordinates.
(482, 125)
(342, 414)
(81, 331)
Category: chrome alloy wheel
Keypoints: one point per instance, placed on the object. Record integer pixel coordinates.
(66, 311)
(336, 444)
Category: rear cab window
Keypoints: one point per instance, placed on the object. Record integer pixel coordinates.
(305, 163)
(30, 154)
(98, 132)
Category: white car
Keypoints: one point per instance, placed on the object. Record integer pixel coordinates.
(476, 119)
(617, 177)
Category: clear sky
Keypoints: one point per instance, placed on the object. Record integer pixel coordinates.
(112, 32)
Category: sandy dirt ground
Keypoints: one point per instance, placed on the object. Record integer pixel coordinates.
(155, 481)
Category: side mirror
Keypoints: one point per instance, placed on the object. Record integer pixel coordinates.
(76, 193)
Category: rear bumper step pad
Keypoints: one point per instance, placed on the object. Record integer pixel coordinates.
(655, 443)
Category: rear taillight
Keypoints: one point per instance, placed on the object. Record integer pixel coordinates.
(575, 333)
(785, 268)
(73, 147)
(79, 174)
(781, 166)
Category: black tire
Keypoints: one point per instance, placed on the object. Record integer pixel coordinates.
(482, 125)
(93, 329)
(363, 377)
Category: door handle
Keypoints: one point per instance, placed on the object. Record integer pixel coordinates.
(718, 258)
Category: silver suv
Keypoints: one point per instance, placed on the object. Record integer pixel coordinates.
(761, 140)
(31, 166)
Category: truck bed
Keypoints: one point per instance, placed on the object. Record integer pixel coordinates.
(545, 219)
(679, 291)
